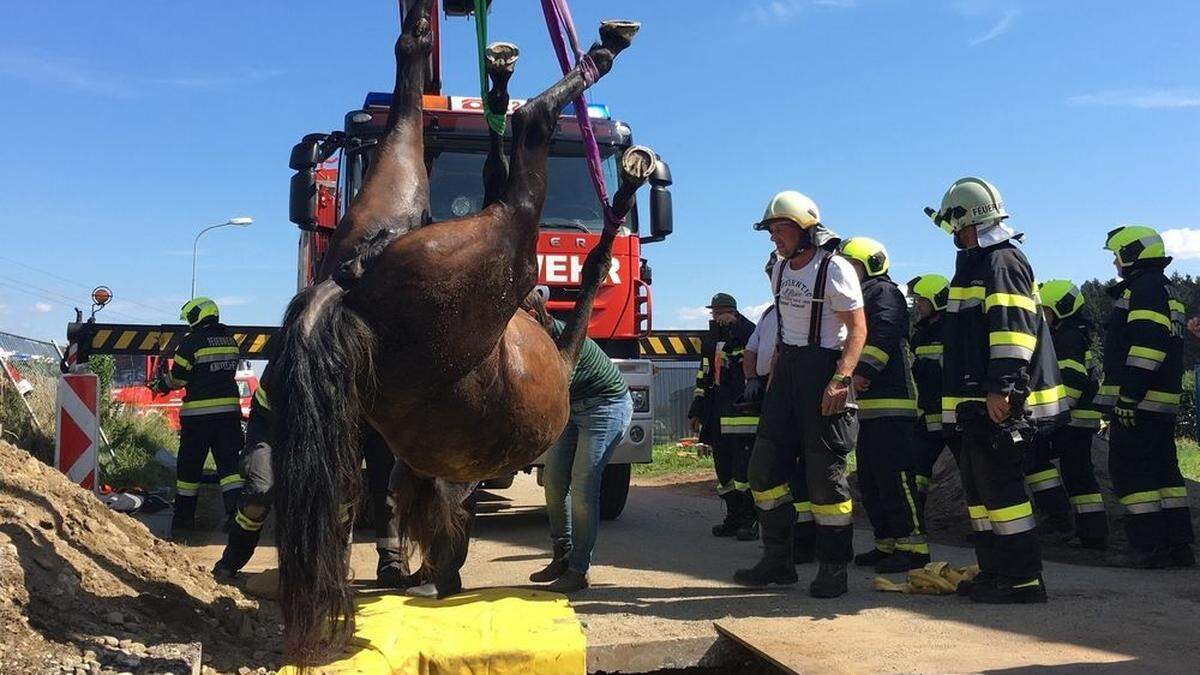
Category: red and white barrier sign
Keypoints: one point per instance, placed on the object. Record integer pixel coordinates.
(78, 428)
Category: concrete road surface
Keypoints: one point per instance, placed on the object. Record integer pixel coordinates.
(660, 580)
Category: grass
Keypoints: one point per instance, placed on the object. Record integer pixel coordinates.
(671, 459)
(1189, 458)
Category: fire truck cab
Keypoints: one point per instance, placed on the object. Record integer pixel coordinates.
(330, 169)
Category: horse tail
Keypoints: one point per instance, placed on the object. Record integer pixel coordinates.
(320, 382)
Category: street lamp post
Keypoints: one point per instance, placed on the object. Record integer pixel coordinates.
(243, 221)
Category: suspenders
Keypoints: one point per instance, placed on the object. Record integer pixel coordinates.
(815, 313)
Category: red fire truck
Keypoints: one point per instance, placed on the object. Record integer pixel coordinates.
(330, 168)
(134, 371)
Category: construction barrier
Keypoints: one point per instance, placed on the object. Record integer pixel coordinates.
(672, 345)
(77, 436)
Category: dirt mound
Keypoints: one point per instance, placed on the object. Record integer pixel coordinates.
(87, 590)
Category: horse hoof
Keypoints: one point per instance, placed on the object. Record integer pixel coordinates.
(637, 164)
(616, 35)
(501, 57)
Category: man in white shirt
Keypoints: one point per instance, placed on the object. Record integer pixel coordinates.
(809, 406)
(760, 356)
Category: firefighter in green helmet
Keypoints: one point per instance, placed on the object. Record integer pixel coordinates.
(887, 412)
(930, 293)
(210, 419)
(1000, 387)
(1143, 370)
(1072, 329)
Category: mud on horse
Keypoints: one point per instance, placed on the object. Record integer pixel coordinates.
(414, 327)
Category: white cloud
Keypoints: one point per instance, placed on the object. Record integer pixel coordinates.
(43, 307)
(754, 312)
(692, 317)
(69, 73)
(233, 300)
(1182, 243)
(248, 75)
(1145, 99)
(1000, 28)
(782, 11)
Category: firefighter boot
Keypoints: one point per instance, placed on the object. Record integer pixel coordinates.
(1183, 556)
(1010, 593)
(238, 550)
(450, 584)
(830, 581)
(183, 521)
(729, 526)
(557, 566)
(985, 555)
(1156, 559)
(883, 549)
(230, 500)
(747, 517)
(775, 567)
(901, 561)
(804, 542)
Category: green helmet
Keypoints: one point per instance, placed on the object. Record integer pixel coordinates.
(933, 287)
(1061, 296)
(196, 310)
(870, 253)
(1131, 243)
(970, 201)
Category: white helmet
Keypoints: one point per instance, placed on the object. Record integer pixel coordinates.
(970, 201)
(793, 206)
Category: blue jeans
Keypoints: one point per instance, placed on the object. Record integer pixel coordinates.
(574, 467)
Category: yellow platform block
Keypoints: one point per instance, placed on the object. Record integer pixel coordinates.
(498, 631)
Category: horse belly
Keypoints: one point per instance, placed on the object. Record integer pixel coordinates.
(493, 422)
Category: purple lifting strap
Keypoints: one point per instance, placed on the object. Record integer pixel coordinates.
(558, 21)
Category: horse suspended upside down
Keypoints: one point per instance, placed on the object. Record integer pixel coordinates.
(413, 326)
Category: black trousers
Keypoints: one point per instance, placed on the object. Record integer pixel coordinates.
(731, 459)
(792, 429)
(888, 483)
(258, 495)
(1045, 482)
(222, 435)
(1146, 478)
(448, 552)
(1005, 531)
(1073, 448)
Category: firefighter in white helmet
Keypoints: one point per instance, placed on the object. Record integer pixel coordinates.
(809, 405)
(1000, 386)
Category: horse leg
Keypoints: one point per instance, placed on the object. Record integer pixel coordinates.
(534, 124)
(501, 61)
(636, 166)
(395, 194)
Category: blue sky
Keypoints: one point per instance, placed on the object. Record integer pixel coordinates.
(128, 130)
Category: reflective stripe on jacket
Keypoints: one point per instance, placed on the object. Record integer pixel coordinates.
(1143, 343)
(994, 331)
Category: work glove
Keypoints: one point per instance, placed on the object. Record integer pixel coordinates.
(754, 390)
(1124, 412)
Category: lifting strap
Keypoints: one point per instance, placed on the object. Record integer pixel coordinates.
(497, 122)
(560, 24)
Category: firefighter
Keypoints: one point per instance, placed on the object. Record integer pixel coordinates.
(1143, 369)
(257, 497)
(809, 406)
(1071, 327)
(887, 414)
(210, 419)
(719, 383)
(930, 293)
(1000, 385)
(760, 355)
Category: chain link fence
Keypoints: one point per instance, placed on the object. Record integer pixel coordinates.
(27, 390)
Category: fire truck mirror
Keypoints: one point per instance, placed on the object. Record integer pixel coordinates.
(302, 204)
(661, 216)
(307, 153)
